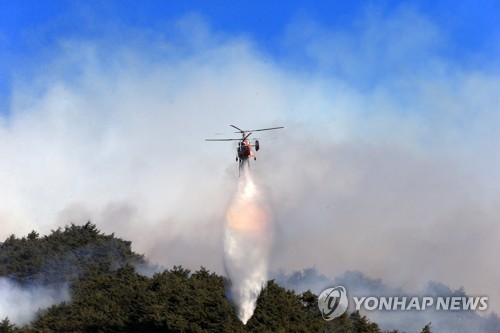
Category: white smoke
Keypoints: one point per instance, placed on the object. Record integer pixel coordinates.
(21, 304)
(248, 235)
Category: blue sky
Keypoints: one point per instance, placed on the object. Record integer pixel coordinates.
(392, 131)
(31, 31)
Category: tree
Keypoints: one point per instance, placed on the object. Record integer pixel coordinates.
(6, 326)
(108, 295)
(427, 328)
(362, 324)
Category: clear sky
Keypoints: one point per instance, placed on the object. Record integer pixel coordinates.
(388, 164)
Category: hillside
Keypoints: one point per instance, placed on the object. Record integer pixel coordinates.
(106, 294)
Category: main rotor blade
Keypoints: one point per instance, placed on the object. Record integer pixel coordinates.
(239, 129)
(246, 136)
(265, 129)
(222, 139)
(261, 129)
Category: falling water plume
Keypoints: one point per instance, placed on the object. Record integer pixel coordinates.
(248, 235)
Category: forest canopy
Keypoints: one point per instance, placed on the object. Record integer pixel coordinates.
(107, 294)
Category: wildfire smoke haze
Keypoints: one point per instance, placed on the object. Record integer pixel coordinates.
(247, 241)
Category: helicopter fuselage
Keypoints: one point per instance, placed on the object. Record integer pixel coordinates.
(244, 150)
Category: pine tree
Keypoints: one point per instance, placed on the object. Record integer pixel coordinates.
(6, 326)
(427, 328)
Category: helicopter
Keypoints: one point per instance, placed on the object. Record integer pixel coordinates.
(244, 148)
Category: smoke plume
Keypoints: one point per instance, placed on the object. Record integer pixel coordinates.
(21, 303)
(247, 241)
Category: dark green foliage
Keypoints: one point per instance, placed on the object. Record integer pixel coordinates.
(172, 301)
(6, 326)
(108, 295)
(63, 256)
(427, 328)
(281, 310)
(362, 324)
